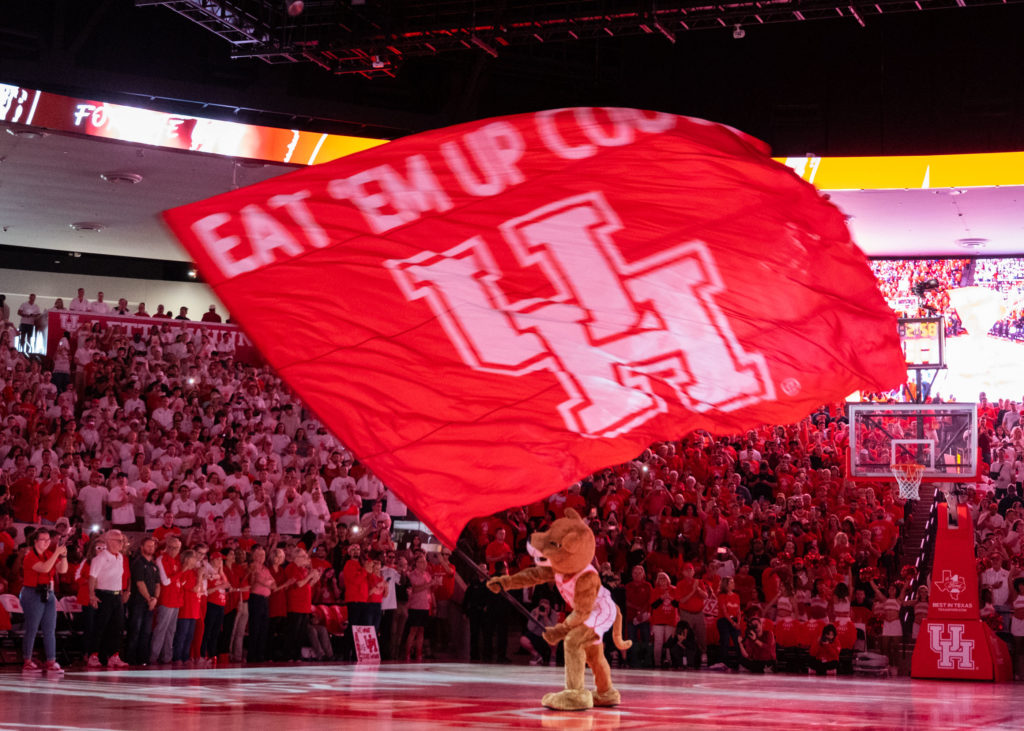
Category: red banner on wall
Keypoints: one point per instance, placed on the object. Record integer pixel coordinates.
(71, 322)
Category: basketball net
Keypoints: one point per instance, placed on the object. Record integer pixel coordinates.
(908, 477)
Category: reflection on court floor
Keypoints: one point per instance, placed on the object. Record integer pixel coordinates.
(421, 697)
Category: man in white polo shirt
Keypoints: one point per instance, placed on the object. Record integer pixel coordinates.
(107, 574)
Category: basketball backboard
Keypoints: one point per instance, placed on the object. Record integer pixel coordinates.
(923, 340)
(942, 437)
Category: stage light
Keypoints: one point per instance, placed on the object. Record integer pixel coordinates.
(294, 7)
(738, 32)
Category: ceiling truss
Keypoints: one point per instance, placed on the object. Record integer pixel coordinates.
(373, 37)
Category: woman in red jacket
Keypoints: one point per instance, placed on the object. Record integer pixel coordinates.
(825, 652)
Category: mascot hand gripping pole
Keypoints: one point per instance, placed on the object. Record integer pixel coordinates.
(564, 554)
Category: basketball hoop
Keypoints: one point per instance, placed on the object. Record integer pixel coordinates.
(908, 476)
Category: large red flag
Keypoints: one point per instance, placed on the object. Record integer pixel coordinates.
(488, 312)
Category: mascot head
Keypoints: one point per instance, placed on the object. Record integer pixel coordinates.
(567, 547)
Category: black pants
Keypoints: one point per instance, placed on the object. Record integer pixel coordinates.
(819, 667)
(540, 646)
(108, 626)
(358, 613)
(373, 615)
(140, 632)
(357, 616)
(476, 638)
(684, 656)
(278, 638)
(728, 643)
(211, 629)
(756, 666)
(259, 627)
(386, 620)
(298, 631)
(224, 644)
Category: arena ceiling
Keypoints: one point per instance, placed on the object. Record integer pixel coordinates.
(930, 76)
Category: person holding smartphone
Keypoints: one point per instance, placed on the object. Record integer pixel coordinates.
(41, 564)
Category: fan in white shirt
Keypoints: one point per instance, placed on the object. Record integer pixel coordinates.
(93, 497)
(99, 307)
(317, 512)
(290, 513)
(122, 501)
(145, 484)
(214, 507)
(260, 509)
(184, 508)
(79, 303)
(234, 512)
(153, 511)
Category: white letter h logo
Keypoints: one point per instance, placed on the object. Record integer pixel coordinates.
(619, 336)
(953, 652)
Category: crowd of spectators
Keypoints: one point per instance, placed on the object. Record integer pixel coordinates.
(193, 511)
(1004, 275)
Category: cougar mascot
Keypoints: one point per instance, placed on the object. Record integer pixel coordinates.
(564, 554)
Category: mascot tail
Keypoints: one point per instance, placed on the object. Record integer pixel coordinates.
(617, 632)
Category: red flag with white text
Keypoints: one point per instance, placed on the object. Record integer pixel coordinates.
(487, 313)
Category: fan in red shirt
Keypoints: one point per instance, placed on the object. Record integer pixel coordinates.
(825, 652)
(191, 605)
(217, 588)
(7, 543)
(167, 529)
(25, 497)
(300, 576)
(638, 612)
(498, 550)
(757, 649)
(39, 601)
(376, 590)
(278, 602)
(53, 495)
(690, 596)
(664, 615)
(728, 624)
(353, 576)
